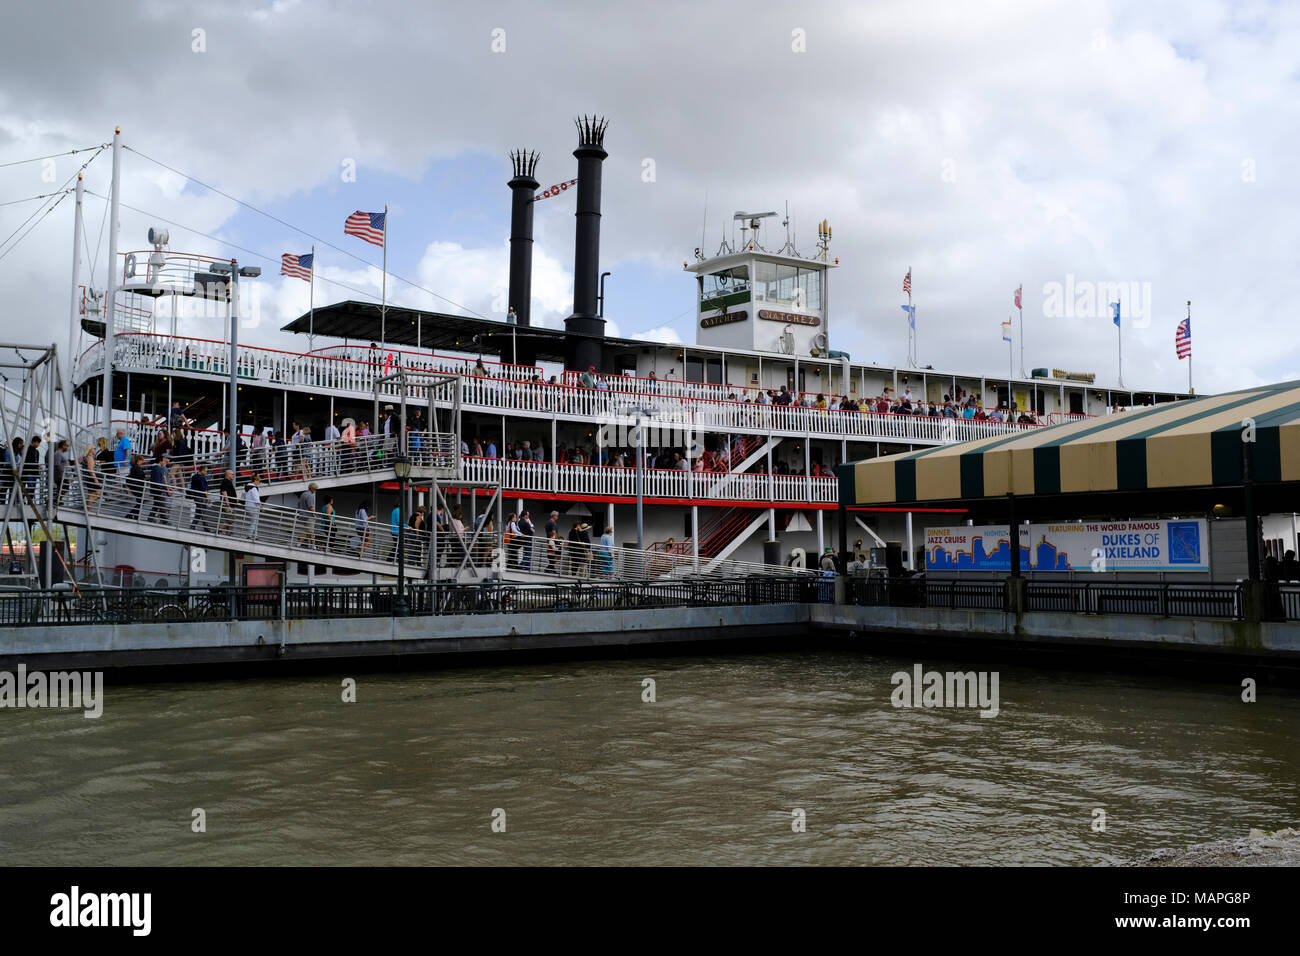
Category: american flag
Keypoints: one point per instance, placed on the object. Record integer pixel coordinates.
(366, 225)
(1018, 296)
(907, 281)
(1006, 331)
(1183, 338)
(297, 266)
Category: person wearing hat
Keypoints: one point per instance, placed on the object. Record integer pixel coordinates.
(829, 565)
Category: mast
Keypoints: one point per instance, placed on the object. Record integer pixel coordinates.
(311, 322)
(76, 276)
(110, 311)
(383, 307)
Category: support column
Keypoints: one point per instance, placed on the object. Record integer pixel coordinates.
(909, 564)
(821, 536)
(695, 536)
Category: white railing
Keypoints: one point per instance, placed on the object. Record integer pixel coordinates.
(616, 482)
(362, 457)
(185, 517)
(668, 405)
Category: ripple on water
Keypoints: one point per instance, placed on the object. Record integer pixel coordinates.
(586, 772)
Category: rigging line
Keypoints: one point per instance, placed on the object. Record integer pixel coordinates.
(228, 243)
(56, 202)
(37, 159)
(33, 226)
(289, 225)
(13, 202)
(99, 242)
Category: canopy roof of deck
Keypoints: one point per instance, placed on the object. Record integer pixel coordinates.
(1153, 459)
(362, 321)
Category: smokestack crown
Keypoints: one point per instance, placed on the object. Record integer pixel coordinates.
(591, 132)
(525, 164)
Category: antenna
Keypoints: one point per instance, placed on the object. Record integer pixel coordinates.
(705, 223)
(754, 221)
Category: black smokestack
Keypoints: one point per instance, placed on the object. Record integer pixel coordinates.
(523, 188)
(584, 348)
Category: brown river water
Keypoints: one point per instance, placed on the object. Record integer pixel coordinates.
(587, 772)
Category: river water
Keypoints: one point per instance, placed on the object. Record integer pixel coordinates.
(586, 771)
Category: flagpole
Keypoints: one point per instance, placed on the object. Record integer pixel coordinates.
(912, 316)
(1022, 340)
(311, 326)
(1119, 337)
(1011, 361)
(383, 307)
(1190, 390)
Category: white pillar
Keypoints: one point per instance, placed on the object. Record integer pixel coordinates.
(909, 562)
(695, 535)
(771, 524)
(821, 537)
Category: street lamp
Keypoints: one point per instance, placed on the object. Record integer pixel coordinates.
(234, 270)
(401, 468)
(640, 411)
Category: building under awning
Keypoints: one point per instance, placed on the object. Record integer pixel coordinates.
(1236, 453)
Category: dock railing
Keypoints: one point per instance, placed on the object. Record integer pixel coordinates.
(1153, 599)
(85, 605)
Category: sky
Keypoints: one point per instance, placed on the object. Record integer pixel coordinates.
(1083, 150)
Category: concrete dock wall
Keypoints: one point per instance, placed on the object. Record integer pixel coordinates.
(190, 643)
(1262, 639)
(136, 645)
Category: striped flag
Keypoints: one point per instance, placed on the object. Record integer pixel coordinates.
(1006, 331)
(907, 281)
(297, 266)
(1183, 338)
(1018, 291)
(366, 225)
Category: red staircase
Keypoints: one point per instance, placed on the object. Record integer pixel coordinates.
(742, 447)
(715, 533)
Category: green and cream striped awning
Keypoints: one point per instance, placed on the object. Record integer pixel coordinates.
(1191, 443)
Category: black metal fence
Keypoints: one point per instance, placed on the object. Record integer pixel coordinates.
(90, 606)
(1205, 600)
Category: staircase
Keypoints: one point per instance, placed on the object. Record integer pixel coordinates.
(721, 527)
(742, 448)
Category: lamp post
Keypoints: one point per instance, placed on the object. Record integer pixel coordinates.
(401, 468)
(234, 270)
(641, 411)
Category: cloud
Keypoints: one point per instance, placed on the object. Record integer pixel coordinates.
(983, 146)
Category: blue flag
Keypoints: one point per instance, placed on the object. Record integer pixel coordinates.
(911, 315)
(1115, 306)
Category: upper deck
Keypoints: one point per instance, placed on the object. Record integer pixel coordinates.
(351, 372)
